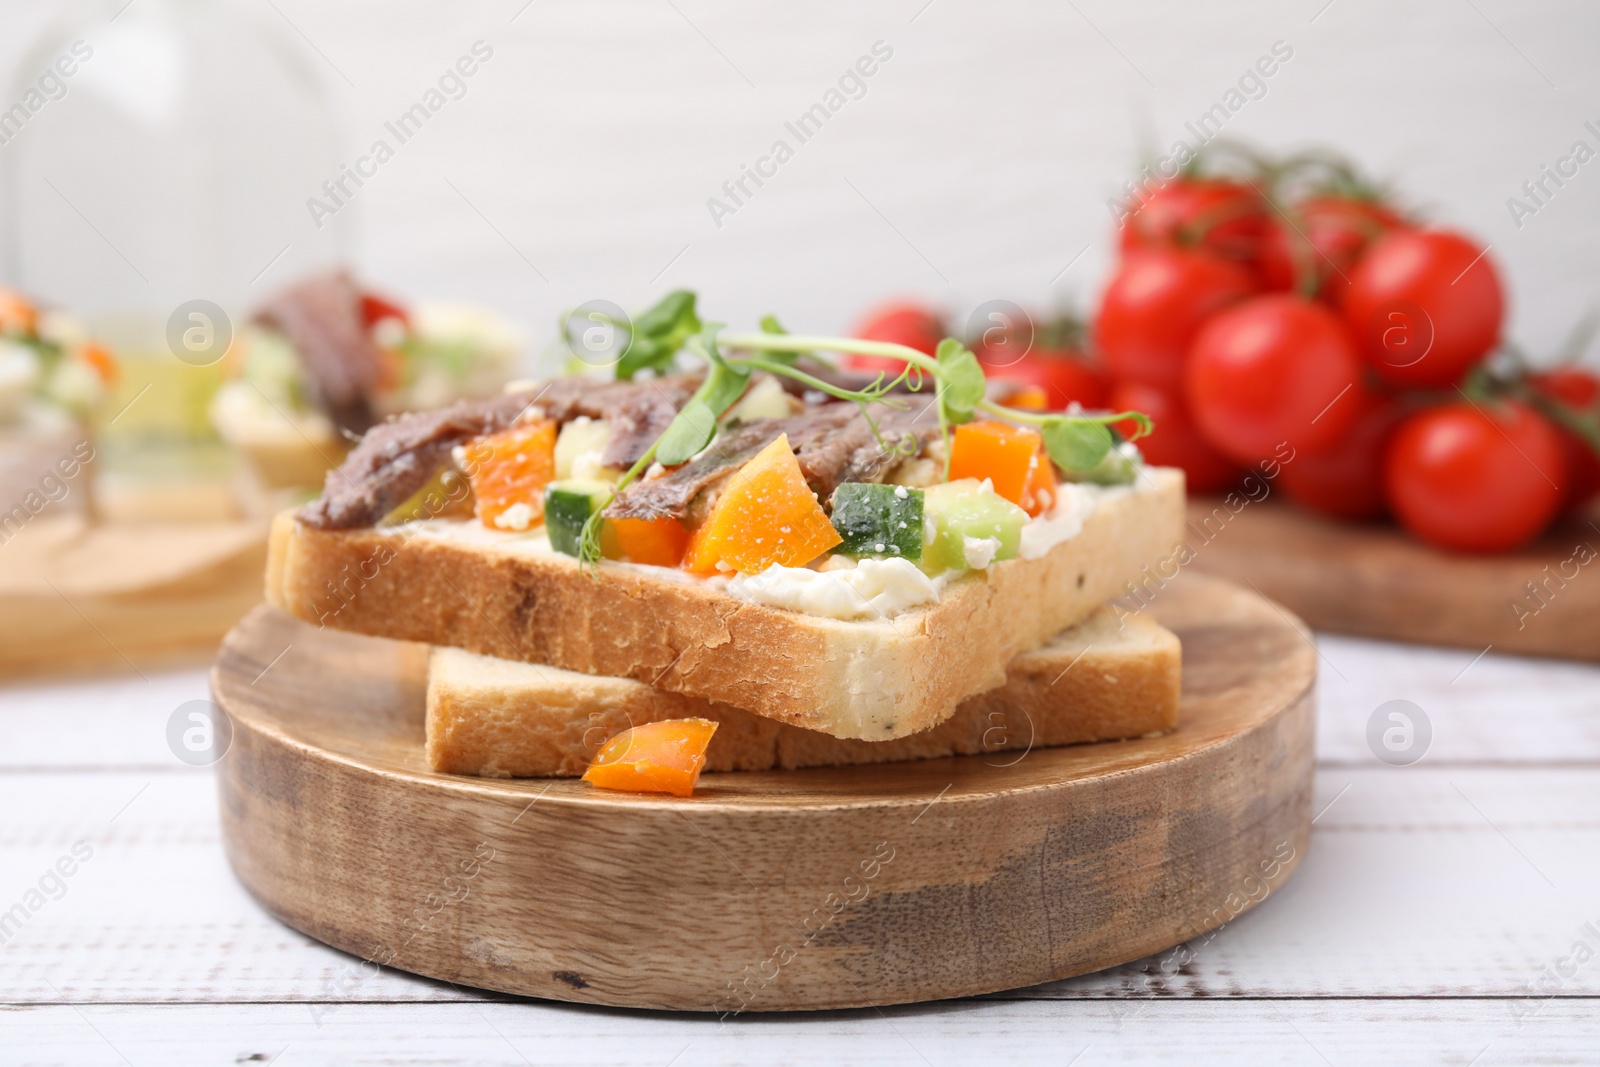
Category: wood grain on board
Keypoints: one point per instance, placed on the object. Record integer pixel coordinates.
(1374, 580)
(74, 593)
(1408, 890)
(781, 890)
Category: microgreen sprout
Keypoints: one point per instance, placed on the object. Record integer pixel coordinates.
(1075, 441)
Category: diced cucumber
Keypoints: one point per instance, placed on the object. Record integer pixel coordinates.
(965, 514)
(579, 437)
(878, 520)
(567, 506)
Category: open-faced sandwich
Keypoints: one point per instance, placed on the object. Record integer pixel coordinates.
(739, 534)
(325, 359)
(53, 379)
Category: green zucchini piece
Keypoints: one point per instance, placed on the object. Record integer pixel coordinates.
(567, 506)
(878, 520)
(962, 510)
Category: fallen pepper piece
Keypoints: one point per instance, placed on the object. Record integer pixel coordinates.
(658, 757)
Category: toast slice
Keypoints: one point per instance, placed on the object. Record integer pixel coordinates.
(454, 582)
(509, 595)
(1096, 681)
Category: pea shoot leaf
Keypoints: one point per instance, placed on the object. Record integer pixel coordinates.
(725, 387)
(769, 324)
(1076, 444)
(659, 333)
(961, 381)
(671, 312)
(695, 425)
(1115, 469)
(689, 432)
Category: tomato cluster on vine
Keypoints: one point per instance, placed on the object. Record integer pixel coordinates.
(1263, 308)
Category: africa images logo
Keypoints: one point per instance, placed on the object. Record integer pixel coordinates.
(1399, 732)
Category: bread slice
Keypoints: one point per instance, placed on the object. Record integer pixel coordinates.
(456, 583)
(1096, 681)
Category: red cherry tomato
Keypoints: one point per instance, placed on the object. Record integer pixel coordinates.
(1572, 386)
(1580, 391)
(901, 323)
(1065, 375)
(1271, 370)
(1226, 218)
(1475, 478)
(1325, 236)
(1174, 442)
(1345, 480)
(374, 308)
(1156, 302)
(1427, 305)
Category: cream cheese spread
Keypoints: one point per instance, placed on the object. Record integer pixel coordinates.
(841, 588)
(872, 589)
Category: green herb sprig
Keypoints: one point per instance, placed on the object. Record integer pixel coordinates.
(1074, 442)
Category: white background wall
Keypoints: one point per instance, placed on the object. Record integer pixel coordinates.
(977, 165)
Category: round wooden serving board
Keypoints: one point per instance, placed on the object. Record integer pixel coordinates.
(771, 891)
(80, 594)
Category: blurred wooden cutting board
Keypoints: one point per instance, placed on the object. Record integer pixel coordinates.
(1375, 581)
(74, 593)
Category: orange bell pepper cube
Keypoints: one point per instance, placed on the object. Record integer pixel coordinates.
(659, 542)
(658, 757)
(998, 451)
(17, 314)
(1039, 495)
(100, 360)
(766, 514)
(509, 468)
(1028, 398)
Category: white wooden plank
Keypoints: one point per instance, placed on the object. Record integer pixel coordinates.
(1502, 709)
(1419, 882)
(1490, 709)
(155, 913)
(1309, 1033)
(111, 719)
(1408, 890)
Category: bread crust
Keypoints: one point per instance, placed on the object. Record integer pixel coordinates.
(871, 680)
(1102, 680)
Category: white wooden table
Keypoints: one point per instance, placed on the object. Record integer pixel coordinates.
(1435, 919)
